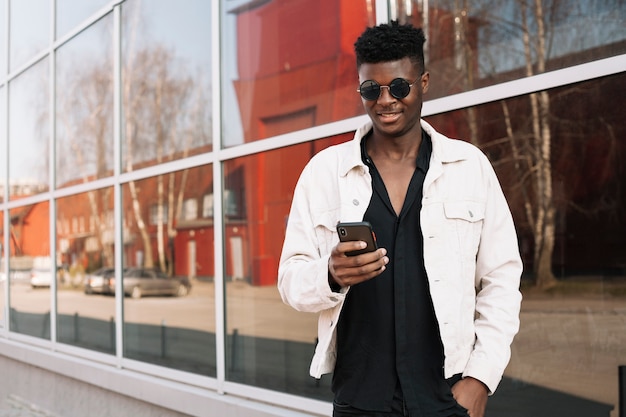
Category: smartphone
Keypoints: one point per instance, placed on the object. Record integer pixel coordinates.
(357, 231)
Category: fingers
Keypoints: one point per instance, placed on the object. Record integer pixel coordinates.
(351, 270)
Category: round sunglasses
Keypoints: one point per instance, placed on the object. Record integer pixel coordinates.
(398, 88)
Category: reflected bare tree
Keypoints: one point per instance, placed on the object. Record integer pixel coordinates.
(478, 42)
(165, 119)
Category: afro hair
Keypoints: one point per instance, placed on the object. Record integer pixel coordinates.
(390, 42)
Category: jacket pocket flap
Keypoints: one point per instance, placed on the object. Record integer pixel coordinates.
(470, 211)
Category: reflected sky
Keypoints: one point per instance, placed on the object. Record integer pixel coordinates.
(71, 13)
(28, 126)
(3, 54)
(30, 29)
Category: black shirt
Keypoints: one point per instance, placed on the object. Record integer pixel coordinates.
(388, 339)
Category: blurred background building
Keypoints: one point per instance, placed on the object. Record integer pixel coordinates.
(148, 155)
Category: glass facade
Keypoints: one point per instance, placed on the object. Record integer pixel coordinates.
(149, 151)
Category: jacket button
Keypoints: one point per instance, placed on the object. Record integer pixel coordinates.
(355, 202)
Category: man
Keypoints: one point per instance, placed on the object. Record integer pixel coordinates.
(423, 325)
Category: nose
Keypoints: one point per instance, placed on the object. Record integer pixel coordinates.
(385, 95)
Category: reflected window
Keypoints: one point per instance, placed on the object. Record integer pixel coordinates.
(28, 130)
(168, 280)
(575, 276)
(478, 43)
(30, 30)
(70, 13)
(85, 266)
(166, 81)
(207, 206)
(158, 214)
(190, 209)
(31, 270)
(271, 83)
(84, 106)
(269, 344)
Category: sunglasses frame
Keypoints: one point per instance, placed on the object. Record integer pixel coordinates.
(380, 88)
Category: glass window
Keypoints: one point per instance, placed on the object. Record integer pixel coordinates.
(190, 209)
(166, 81)
(3, 271)
(72, 12)
(207, 206)
(571, 340)
(159, 214)
(31, 270)
(3, 45)
(168, 280)
(85, 266)
(3, 143)
(289, 65)
(29, 130)
(473, 44)
(269, 344)
(30, 30)
(84, 106)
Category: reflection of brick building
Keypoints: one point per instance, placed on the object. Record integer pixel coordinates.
(293, 76)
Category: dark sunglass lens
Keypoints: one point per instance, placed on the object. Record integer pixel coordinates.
(370, 90)
(399, 88)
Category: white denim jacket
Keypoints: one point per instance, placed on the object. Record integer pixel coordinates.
(470, 251)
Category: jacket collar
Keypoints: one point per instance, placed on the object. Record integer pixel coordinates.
(443, 150)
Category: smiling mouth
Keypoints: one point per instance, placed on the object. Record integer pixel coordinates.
(388, 116)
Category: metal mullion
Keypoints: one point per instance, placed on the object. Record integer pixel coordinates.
(51, 173)
(4, 153)
(5, 174)
(117, 187)
(218, 223)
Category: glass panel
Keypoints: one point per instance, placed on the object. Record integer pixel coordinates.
(84, 106)
(572, 336)
(85, 264)
(168, 252)
(31, 270)
(3, 272)
(29, 130)
(30, 30)
(289, 65)
(3, 143)
(166, 81)
(3, 38)
(71, 13)
(268, 344)
(472, 44)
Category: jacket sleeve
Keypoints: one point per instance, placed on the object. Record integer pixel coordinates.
(497, 279)
(303, 268)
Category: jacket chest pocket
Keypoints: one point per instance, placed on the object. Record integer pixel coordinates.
(464, 220)
(325, 224)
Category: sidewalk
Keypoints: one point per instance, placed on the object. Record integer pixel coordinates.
(14, 406)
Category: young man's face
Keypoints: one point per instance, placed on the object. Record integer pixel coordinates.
(393, 116)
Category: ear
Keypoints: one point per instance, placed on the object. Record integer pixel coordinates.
(425, 80)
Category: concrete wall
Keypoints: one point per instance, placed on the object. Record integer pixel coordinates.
(44, 383)
(39, 392)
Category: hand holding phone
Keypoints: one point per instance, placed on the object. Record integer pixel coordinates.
(355, 231)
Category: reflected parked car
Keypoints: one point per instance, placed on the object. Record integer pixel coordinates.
(137, 283)
(41, 277)
(98, 281)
